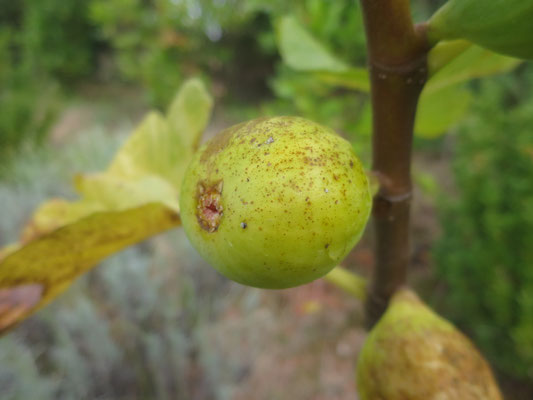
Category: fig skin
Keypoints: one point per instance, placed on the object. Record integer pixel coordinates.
(275, 202)
(414, 354)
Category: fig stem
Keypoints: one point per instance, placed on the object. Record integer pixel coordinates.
(374, 182)
(348, 281)
(397, 56)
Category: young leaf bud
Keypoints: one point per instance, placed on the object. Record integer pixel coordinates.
(504, 26)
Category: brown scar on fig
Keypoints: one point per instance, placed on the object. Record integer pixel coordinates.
(209, 210)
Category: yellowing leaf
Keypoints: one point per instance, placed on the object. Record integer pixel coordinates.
(113, 193)
(189, 114)
(164, 146)
(135, 198)
(56, 213)
(5, 251)
(144, 150)
(33, 275)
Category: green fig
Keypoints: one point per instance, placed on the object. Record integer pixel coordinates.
(504, 26)
(414, 354)
(275, 203)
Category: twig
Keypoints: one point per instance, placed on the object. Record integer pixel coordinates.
(397, 61)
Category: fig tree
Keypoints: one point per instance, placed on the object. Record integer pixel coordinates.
(504, 26)
(414, 354)
(275, 202)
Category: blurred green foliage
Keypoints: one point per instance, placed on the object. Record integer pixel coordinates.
(337, 23)
(24, 97)
(159, 43)
(49, 47)
(485, 251)
(58, 38)
(312, 73)
(338, 30)
(42, 43)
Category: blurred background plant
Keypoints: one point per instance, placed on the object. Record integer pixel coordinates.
(155, 321)
(485, 250)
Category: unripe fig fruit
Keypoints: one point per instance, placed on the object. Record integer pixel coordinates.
(275, 203)
(504, 26)
(413, 354)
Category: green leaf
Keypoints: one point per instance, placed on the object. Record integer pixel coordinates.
(474, 62)
(353, 78)
(445, 52)
(444, 101)
(301, 51)
(439, 110)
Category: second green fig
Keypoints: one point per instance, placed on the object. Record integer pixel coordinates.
(504, 26)
(414, 354)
